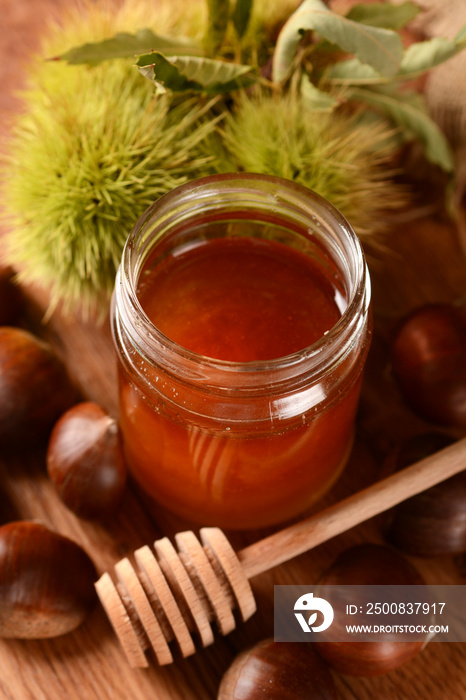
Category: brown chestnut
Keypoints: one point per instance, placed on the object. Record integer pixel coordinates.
(46, 582)
(34, 388)
(370, 565)
(85, 461)
(433, 523)
(429, 364)
(278, 671)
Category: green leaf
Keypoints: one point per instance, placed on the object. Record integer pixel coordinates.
(425, 55)
(409, 111)
(315, 99)
(417, 59)
(219, 14)
(125, 45)
(181, 73)
(380, 48)
(384, 14)
(241, 16)
(353, 72)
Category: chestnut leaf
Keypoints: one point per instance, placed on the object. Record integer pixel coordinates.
(409, 112)
(417, 59)
(241, 16)
(424, 55)
(315, 99)
(125, 45)
(384, 14)
(380, 48)
(181, 73)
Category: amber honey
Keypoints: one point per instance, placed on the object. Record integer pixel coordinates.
(241, 340)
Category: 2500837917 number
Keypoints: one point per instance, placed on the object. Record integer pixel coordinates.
(404, 608)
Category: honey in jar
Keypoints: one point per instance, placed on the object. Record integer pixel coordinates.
(241, 323)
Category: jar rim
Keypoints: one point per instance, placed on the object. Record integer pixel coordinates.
(149, 341)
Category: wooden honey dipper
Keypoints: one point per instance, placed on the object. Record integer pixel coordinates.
(166, 596)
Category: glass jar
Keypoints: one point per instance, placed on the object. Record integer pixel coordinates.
(240, 444)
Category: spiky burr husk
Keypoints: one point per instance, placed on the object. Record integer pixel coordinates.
(345, 158)
(92, 149)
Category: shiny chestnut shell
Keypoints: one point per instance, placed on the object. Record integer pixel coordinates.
(85, 461)
(432, 523)
(429, 363)
(370, 565)
(278, 671)
(34, 388)
(46, 582)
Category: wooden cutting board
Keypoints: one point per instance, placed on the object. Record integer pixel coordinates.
(423, 262)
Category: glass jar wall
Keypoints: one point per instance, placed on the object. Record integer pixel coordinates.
(241, 322)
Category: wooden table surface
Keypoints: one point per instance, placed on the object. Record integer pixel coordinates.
(423, 262)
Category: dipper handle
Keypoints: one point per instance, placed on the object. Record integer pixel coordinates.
(383, 495)
(166, 596)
